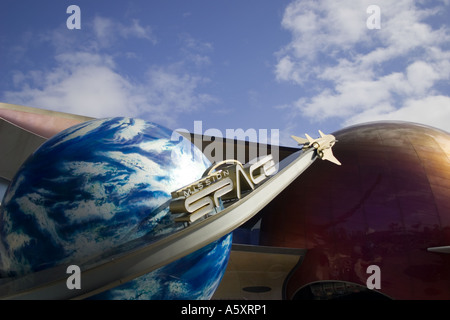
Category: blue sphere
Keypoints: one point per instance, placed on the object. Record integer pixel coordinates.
(99, 185)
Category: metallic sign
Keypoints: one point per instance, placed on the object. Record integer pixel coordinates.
(226, 180)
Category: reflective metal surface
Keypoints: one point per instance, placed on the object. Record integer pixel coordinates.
(44, 123)
(386, 205)
(16, 145)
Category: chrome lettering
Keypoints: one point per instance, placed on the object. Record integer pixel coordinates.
(199, 198)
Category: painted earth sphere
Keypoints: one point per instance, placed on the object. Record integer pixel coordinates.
(99, 185)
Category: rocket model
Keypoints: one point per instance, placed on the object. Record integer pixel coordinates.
(323, 145)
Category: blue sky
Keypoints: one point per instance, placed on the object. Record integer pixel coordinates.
(295, 66)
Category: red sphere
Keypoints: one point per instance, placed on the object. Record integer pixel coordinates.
(386, 205)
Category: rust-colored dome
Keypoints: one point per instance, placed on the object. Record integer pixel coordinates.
(386, 205)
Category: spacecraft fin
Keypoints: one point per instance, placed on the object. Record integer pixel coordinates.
(327, 154)
(322, 135)
(300, 141)
(310, 140)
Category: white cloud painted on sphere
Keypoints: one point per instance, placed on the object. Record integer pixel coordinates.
(355, 74)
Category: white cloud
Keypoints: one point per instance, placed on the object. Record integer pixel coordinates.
(323, 25)
(285, 70)
(97, 34)
(82, 83)
(421, 77)
(102, 30)
(172, 92)
(355, 74)
(87, 78)
(194, 50)
(433, 111)
(138, 31)
(88, 84)
(107, 31)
